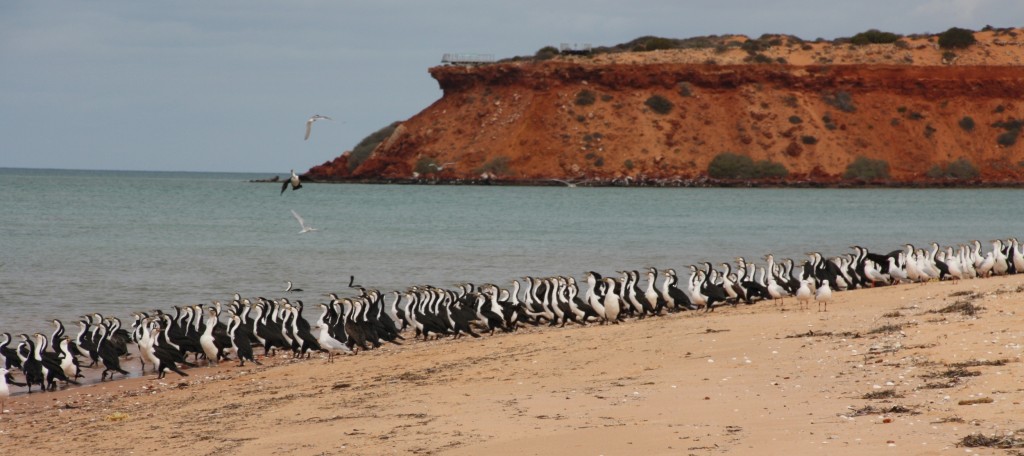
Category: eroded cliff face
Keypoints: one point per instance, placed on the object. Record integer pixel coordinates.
(586, 121)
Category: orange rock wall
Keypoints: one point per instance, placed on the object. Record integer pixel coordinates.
(527, 116)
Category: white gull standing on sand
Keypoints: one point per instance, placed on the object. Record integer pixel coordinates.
(5, 391)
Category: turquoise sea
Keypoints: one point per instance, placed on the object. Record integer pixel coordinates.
(113, 242)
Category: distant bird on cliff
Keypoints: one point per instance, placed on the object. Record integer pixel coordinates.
(309, 123)
(294, 180)
(302, 223)
(440, 167)
(569, 184)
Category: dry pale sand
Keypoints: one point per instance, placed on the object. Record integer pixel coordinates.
(746, 380)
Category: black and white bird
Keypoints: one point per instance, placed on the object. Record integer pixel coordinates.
(302, 223)
(108, 353)
(294, 180)
(309, 123)
(167, 355)
(240, 341)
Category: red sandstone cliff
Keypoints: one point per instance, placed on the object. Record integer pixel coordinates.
(590, 118)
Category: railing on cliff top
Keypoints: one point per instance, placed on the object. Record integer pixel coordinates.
(575, 49)
(466, 59)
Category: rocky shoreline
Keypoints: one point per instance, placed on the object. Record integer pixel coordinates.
(665, 183)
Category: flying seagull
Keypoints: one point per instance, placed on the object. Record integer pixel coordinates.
(569, 184)
(294, 180)
(441, 166)
(302, 223)
(309, 123)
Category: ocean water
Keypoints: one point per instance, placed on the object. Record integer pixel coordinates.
(73, 242)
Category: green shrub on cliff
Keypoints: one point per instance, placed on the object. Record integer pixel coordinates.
(867, 169)
(1013, 128)
(840, 99)
(653, 43)
(754, 46)
(874, 36)
(962, 168)
(728, 165)
(767, 169)
(1008, 138)
(659, 104)
(758, 58)
(545, 53)
(685, 89)
(585, 98)
(497, 166)
(956, 38)
(425, 165)
(967, 123)
(365, 147)
(829, 121)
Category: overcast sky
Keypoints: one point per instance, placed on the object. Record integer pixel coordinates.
(228, 85)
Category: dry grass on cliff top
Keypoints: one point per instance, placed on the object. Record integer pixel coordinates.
(992, 48)
(900, 369)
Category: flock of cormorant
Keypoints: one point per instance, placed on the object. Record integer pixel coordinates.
(166, 341)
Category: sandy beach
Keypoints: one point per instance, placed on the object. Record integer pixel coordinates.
(908, 369)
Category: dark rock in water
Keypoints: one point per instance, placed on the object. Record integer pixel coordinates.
(272, 179)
